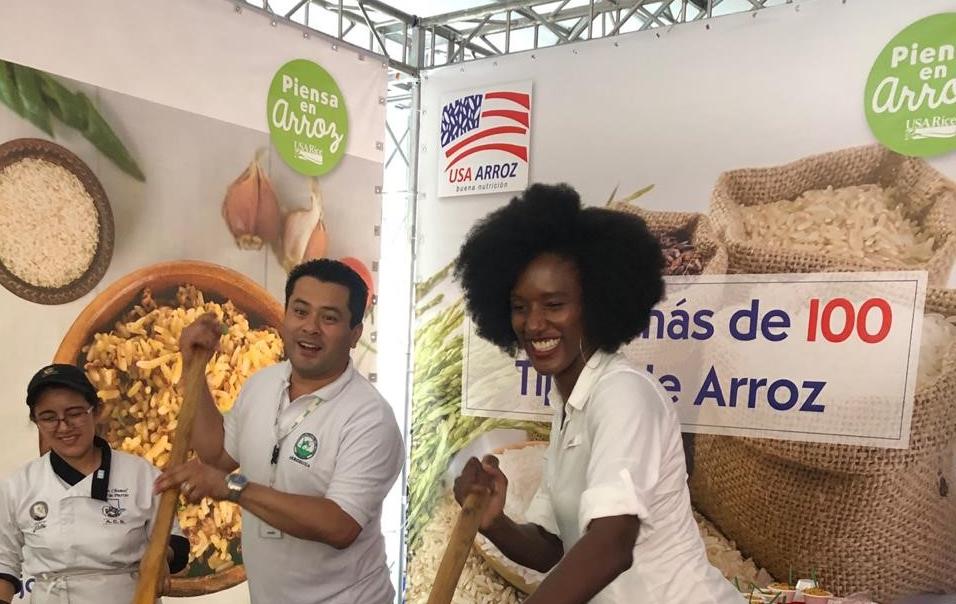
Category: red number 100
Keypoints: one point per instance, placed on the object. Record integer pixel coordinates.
(839, 331)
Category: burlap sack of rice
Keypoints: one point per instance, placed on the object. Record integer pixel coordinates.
(697, 226)
(925, 196)
(933, 424)
(875, 520)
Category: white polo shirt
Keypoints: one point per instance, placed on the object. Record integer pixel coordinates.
(349, 450)
(81, 536)
(620, 453)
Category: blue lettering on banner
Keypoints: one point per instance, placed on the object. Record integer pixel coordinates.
(678, 327)
(746, 324)
(749, 318)
(781, 394)
(26, 587)
(542, 383)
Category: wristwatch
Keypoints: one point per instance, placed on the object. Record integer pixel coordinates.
(236, 483)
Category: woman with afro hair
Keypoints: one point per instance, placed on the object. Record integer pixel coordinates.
(612, 521)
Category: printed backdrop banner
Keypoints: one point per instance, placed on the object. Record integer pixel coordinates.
(773, 356)
(716, 164)
(177, 202)
(744, 143)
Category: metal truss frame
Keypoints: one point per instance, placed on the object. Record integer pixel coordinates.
(412, 44)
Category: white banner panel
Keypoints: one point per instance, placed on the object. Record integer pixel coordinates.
(773, 356)
(202, 57)
(711, 119)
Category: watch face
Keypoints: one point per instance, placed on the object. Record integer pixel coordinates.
(237, 481)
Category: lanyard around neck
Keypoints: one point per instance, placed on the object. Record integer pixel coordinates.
(281, 436)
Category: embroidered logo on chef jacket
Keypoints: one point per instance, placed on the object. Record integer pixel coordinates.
(305, 449)
(114, 507)
(39, 510)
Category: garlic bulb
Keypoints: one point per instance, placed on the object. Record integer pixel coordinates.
(251, 209)
(304, 236)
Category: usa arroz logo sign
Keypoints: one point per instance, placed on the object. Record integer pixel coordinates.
(485, 140)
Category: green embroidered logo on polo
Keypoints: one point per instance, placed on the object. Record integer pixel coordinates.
(910, 97)
(306, 446)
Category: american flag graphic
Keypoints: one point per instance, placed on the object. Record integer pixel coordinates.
(485, 122)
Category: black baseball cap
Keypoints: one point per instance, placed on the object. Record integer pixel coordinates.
(67, 376)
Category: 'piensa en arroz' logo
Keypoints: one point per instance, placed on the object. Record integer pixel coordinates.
(910, 98)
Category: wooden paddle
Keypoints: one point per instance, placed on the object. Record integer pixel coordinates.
(153, 564)
(460, 541)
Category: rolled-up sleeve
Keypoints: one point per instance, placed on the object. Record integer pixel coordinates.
(541, 512)
(370, 457)
(626, 421)
(231, 426)
(11, 538)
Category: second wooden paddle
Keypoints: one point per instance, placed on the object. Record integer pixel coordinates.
(460, 542)
(154, 560)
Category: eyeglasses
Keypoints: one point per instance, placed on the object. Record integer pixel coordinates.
(73, 418)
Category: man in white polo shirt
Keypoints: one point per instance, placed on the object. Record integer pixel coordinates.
(318, 446)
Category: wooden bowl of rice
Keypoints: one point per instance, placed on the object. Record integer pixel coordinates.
(219, 282)
(56, 224)
(103, 314)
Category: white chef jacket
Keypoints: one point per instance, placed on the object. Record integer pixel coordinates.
(620, 452)
(349, 450)
(82, 537)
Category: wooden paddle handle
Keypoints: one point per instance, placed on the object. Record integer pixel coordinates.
(153, 563)
(460, 541)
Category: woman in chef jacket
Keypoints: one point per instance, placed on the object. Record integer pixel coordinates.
(78, 517)
(612, 521)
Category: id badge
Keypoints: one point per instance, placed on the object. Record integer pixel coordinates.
(269, 532)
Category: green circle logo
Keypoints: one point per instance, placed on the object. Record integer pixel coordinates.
(910, 96)
(306, 446)
(308, 121)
